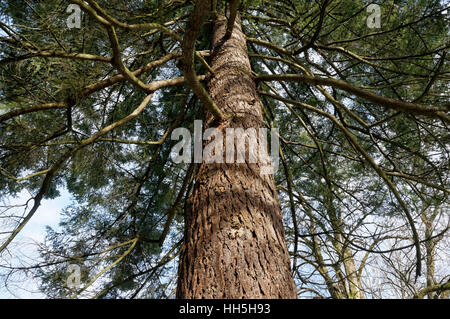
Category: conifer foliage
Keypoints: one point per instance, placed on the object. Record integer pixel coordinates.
(91, 92)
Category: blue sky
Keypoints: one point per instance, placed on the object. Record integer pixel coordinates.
(48, 214)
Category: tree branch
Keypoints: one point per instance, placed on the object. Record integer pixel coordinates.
(232, 18)
(198, 16)
(437, 112)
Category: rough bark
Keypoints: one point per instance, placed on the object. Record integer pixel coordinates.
(234, 240)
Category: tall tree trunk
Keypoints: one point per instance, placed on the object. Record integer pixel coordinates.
(234, 239)
(428, 219)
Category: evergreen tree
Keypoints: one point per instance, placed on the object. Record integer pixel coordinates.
(93, 92)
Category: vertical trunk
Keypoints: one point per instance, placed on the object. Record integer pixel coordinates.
(234, 240)
(354, 284)
(428, 219)
(349, 281)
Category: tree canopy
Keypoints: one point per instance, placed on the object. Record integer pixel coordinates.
(362, 112)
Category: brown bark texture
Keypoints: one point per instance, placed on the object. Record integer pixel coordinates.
(234, 239)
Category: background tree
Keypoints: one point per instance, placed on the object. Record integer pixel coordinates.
(363, 115)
